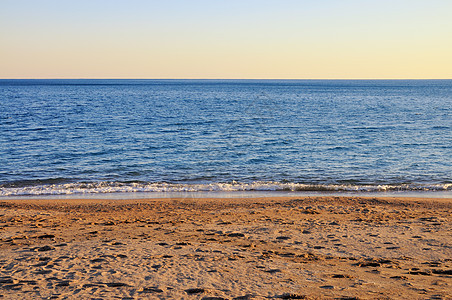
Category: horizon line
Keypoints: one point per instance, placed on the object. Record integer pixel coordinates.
(174, 78)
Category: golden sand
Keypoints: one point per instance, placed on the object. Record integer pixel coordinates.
(260, 248)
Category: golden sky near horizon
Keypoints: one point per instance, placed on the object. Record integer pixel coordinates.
(226, 39)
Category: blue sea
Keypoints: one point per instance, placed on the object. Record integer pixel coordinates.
(85, 137)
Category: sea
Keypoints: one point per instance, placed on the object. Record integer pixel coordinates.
(156, 138)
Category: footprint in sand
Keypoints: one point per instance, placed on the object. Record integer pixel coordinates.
(150, 290)
(193, 291)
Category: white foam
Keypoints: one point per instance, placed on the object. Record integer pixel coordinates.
(136, 187)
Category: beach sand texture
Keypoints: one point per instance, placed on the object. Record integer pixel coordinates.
(260, 248)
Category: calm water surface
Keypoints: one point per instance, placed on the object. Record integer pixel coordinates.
(103, 136)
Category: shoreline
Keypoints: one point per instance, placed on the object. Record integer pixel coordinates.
(208, 198)
(233, 194)
(325, 247)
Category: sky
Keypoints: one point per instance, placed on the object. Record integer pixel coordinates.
(262, 39)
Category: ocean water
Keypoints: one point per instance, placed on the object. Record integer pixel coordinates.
(61, 137)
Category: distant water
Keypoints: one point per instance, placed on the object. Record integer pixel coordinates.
(111, 136)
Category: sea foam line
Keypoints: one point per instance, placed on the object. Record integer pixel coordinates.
(136, 187)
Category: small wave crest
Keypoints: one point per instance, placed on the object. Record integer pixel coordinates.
(137, 187)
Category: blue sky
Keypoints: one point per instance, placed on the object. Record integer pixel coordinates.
(225, 39)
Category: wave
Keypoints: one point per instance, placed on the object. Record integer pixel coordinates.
(137, 187)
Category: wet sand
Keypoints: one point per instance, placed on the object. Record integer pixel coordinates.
(253, 248)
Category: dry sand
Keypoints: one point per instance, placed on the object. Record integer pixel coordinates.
(264, 248)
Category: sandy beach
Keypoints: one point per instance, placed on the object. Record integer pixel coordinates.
(259, 248)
